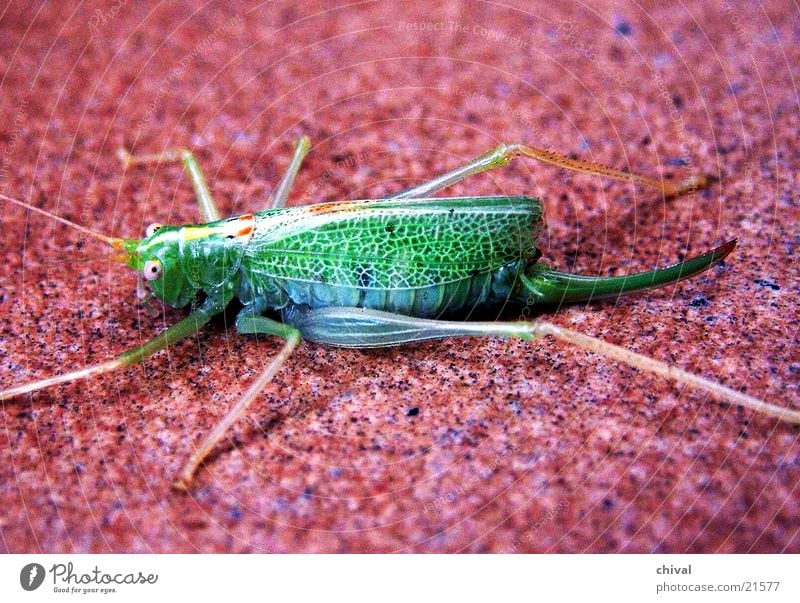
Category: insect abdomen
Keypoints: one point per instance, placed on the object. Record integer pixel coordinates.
(435, 300)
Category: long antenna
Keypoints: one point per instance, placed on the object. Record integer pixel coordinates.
(115, 242)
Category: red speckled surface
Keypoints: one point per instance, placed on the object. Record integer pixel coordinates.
(516, 447)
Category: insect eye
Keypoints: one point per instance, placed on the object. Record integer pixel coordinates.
(151, 230)
(152, 270)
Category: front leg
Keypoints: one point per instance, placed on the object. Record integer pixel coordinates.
(185, 328)
(205, 201)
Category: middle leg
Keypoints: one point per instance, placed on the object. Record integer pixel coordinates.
(281, 194)
(245, 323)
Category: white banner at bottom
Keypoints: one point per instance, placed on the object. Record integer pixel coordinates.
(402, 578)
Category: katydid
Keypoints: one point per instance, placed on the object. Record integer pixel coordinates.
(375, 273)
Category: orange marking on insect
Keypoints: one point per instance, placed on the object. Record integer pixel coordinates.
(322, 208)
(335, 206)
(248, 224)
(243, 226)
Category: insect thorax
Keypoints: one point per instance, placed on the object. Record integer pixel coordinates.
(211, 254)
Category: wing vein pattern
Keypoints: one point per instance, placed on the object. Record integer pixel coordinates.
(391, 245)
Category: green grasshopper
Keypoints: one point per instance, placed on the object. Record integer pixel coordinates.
(375, 273)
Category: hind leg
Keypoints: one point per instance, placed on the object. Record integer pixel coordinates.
(362, 328)
(504, 153)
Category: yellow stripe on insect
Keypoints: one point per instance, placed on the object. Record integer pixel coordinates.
(240, 227)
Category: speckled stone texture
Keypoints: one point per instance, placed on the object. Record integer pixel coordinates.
(461, 445)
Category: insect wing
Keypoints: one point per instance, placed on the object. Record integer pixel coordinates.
(400, 244)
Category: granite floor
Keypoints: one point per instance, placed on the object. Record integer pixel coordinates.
(453, 446)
